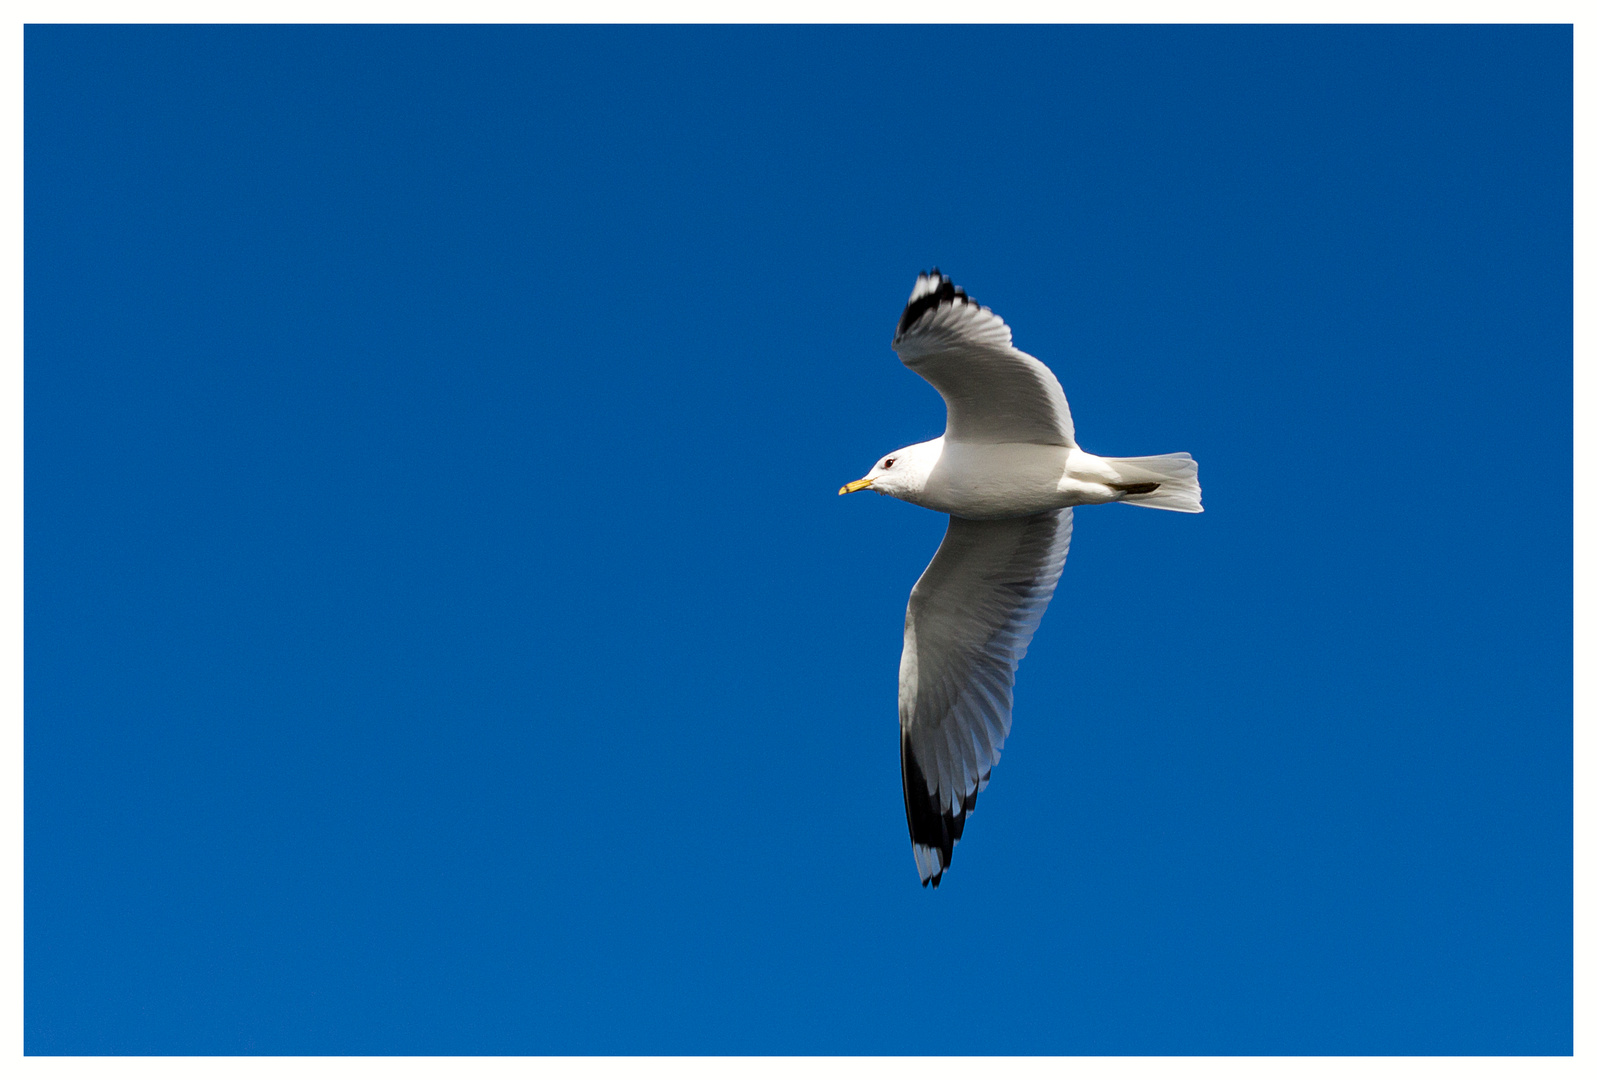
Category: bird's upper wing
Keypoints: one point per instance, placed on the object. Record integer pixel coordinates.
(994, 392)
(970, 618)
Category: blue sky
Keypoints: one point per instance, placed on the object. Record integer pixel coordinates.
(443, 634)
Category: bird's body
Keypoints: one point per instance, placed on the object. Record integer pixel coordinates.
(987, 481)
(1007, 471)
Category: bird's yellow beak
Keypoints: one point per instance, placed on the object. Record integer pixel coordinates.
(857, 485)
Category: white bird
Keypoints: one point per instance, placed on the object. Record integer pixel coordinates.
(1007, 471)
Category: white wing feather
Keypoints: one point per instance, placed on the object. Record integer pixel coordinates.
(994, 392)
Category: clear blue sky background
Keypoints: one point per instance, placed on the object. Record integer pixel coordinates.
(444, 635)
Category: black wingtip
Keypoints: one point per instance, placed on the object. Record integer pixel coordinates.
(932, 290)
(929, 825)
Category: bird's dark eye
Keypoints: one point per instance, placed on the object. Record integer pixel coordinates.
(888, 464)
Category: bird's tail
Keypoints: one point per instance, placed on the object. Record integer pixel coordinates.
(1165, 481)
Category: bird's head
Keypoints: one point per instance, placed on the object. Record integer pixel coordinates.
(901, 474)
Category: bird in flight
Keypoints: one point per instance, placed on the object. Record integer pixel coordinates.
(1007, 472)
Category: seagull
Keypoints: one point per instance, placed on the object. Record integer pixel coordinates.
(1007, 472)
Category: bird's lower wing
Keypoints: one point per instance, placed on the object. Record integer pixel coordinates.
(971, 617)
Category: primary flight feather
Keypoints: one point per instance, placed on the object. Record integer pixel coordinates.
(1007, 471)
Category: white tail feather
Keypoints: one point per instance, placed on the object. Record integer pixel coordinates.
(1176, 475)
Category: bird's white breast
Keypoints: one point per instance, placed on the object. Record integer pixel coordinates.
(996, 480)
